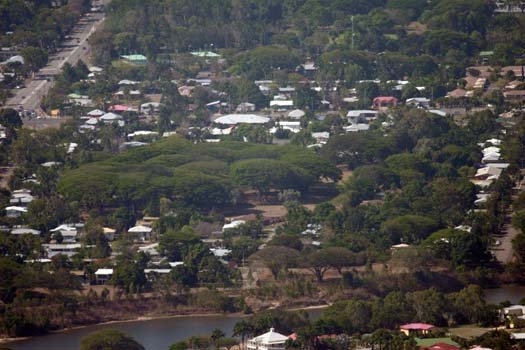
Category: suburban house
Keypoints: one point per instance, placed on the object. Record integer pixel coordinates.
(416, 328)
(15, 211)
(234, 119)
(361, 115)
(68, 232)
(245, 107)
(420, 102)
(488, 173)
(384, 102)
(437, 344)
(103, 275)
(512, 313)
(67, 249)
(150, 107)
(281, 104)
(514, 95)
(143, 232)
(321, 137)
(25, 231)
(296, 114)
(109, 233)
(135, 59)
(21, 197)
(268, 341)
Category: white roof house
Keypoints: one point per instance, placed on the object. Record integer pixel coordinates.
(296, 114)
(418, 102)
(140, 229)
(221, 132)
(220, 252)
(321, 137)
(24, 231)
(128, 82)
(151, 249)
(495, 142)
(104, 272)
(143, 133)
(109, 117)
(357, 127)
(233, 224)
(294, 126)
(15, 211)
(245, 107)
(365, 113)
(268, 341)
(489, 171)
(281, 103)
(233, 119)
(67, 249)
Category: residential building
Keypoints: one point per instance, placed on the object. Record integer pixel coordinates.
(384, 102)
(416, 328)
(268, 341)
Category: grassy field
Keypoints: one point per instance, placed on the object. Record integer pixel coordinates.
(469, 332)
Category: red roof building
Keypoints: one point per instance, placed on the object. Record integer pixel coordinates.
(412, 328)
(383, 102)
(441, 346)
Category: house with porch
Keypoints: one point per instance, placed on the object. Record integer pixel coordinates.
(268, 341)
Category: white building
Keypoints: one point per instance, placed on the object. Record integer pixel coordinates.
(268, 341)
(234, 119)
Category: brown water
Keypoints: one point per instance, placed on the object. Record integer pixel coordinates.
(156, 334)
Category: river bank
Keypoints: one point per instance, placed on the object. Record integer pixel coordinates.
(155, 318)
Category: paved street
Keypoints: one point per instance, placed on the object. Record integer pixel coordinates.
(72, 50)
(504, 252)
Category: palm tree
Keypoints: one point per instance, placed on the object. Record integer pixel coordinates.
(243, 329)
(216, 335)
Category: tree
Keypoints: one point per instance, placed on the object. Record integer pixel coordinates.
(320, 261)
(109, 339)
(469, 250)
(266, 174)
(276, 258)
(216, 335)
(243, 329)
(10, 118)
(175, 245)
(409, 228)
(34, 58)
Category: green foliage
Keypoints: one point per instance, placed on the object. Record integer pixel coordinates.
(408, 228)
(109, 339)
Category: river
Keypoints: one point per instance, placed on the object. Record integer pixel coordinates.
(157, 334)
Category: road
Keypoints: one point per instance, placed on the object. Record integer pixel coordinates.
(72, 50)
(504, 252)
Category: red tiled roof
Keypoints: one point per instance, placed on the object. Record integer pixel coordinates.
(417, 326)
(442, 346)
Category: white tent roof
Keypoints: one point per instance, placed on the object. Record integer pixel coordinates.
(104, 272)
(232, 119)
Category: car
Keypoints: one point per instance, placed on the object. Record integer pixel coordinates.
(497, 243)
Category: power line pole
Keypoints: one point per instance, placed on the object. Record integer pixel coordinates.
(353, 33)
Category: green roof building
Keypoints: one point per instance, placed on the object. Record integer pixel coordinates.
(135, 59)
